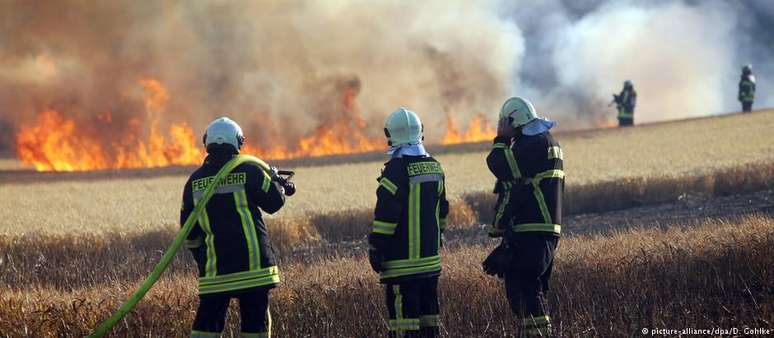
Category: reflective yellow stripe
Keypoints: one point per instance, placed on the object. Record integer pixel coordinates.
(553, 173)
(266, 182)
(386, 228)
(535, 321)
(210, 265)
(241, 285)
(204, 334)
(555, 152)
(499, 146)
(511, 158)
(537, 227)
(428, 320)
(239, 276)
(404, 325)
(248, 229)
(496, 230)
(541, 201)
(401, 263)
(387, 184)
(415, 215)
(410, 267)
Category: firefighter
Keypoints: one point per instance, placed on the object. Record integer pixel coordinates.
(625, 103)
(229, 242)
(747, 89)
(405, 238)
(527, 162)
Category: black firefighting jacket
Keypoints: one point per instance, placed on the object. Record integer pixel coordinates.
(409, 218)
(229, 240)
(628, 101)
(747, 88)
(530, 184)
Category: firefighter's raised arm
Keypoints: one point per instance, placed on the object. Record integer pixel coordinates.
(267, 193)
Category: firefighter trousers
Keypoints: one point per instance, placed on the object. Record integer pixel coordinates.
(747, 106)
(413, 307)
(253, 310)
(526, 282)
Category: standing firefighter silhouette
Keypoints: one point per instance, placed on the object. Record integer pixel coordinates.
(527, 162)
(747, 89)
(625, 102)
(229, 242)
(409, 219)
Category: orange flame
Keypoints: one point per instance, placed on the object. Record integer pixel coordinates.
(54, 142)
(479, 129)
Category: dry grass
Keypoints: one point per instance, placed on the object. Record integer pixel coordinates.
(713, 275)
(673, 152)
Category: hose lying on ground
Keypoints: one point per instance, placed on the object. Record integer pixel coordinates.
(129, 304)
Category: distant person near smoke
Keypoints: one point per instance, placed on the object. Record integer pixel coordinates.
(625, 103)
(747, 88)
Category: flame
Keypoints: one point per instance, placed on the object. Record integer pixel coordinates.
(479, 129)
(55, 142)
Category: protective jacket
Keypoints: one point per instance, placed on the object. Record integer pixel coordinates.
(530, 184)
(627, 103)
(747, 88)
(409, 218)
(229, 240)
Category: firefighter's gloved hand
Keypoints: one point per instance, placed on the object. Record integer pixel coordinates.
(376, 259)
(274, 174)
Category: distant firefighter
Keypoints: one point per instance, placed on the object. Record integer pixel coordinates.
(410, 216)
(747, 88)
(625, 103)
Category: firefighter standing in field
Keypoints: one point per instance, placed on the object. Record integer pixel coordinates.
(229, 242)
(527, 162)
(747, 89)
(409, 219)
(625, 103)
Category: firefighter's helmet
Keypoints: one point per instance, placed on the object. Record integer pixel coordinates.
(747, 69)
(628, 84)
(224, 131)
(403, 127)
(519, 110)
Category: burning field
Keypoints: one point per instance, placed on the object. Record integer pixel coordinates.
(54, 141)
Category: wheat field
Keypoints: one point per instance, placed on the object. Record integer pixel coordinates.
(669, 151)
(71, 251)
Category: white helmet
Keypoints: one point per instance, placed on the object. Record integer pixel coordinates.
(224, 131)
(403, 127)
(519, 109)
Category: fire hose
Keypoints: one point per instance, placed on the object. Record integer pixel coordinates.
(129, 304)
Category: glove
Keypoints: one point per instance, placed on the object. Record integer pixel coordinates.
(375, 259)
(274, 174)
(499, 260)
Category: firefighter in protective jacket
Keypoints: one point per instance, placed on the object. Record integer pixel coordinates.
(229, 241)
(747, 89)
(626, 101)
(527, 162)
(409, 219)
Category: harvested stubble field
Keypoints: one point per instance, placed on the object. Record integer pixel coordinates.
(71, 251)
(716, 274)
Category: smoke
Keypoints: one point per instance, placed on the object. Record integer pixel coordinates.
(280, 68)
(284, 68)
(684, 57)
